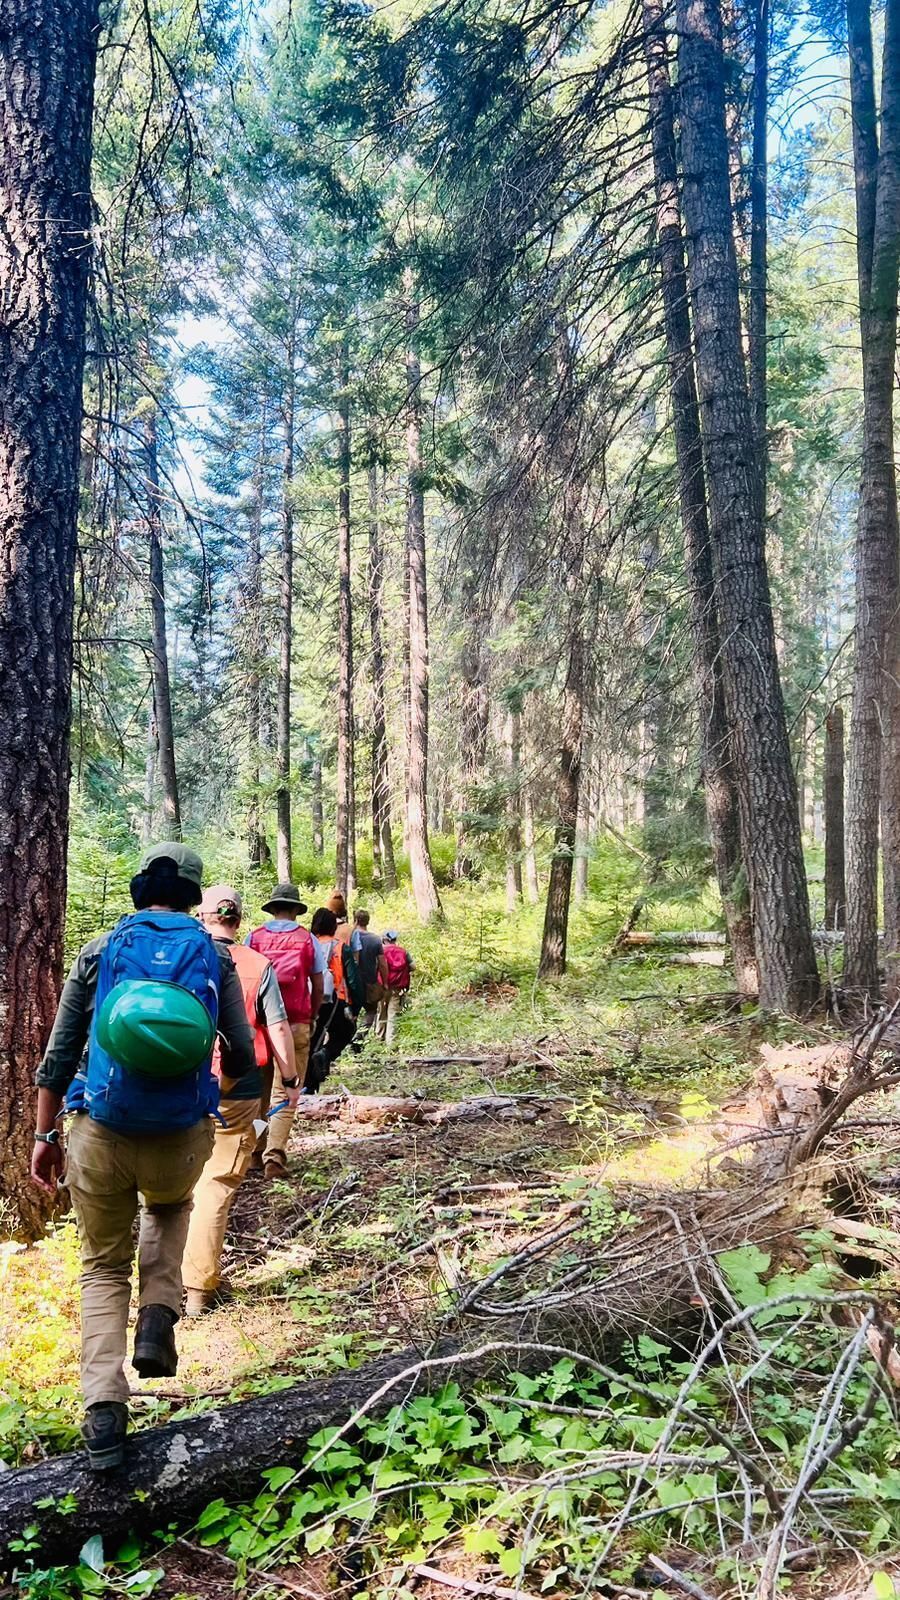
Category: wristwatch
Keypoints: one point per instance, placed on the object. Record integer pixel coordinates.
(290, 1083)
(47, 1138)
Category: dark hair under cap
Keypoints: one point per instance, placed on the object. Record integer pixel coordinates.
(160, 885)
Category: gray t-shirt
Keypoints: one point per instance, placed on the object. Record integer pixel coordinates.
(367, 947)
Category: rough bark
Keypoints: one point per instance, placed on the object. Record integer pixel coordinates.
(428, 903)
(318, 820)
(474, 715)
(878, 494)
(286, 619)
(719, 786)
(835, 887)
(47, 56)
(513, 809)
(760, 749)
(757, 319)
(159, 650)
(346, 804)
(382, 832)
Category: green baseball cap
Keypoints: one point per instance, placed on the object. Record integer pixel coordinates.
(188, 862)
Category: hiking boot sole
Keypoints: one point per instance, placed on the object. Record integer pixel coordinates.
(108, 1458)
(152, 1360)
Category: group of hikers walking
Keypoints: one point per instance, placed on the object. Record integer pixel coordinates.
(182, 1054)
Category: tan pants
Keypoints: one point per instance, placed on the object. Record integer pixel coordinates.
(279, 1130)
(233, 1144)
(388, 1012)
(110, 1177)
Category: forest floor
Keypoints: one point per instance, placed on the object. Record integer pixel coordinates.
(623, 1073)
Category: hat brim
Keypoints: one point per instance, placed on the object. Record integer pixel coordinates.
(293, 905)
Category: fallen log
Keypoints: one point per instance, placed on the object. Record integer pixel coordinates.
(697, 958)
(689, 937)
(380, 1109)
(175, 1470)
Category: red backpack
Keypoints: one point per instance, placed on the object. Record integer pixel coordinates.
(292, 954)
(398, 967)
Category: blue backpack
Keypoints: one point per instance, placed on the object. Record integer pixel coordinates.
(160, 946)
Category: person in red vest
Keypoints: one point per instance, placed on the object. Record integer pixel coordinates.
(299, 965)
(236, 1129)
(400, 966)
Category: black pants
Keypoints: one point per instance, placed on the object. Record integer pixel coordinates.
(332, 1033)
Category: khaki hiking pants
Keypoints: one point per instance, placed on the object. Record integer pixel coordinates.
(274, 1141)
(388, 1012)
(111, 1177)
(234, 1141)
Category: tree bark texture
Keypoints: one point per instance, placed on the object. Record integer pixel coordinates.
(162, 694)
(532, 878)
(382, 832)
(770, 824)
(317, 817)
(47, 57)
(428, 903)
(757, 320)
(286, 619)
(875, 718)
(346, 756)
(474, 717)
(835, 888)
(148, 819)
(719, 786)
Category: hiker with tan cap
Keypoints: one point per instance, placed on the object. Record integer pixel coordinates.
(236, 1132)
(147, 1001)
(299, 965)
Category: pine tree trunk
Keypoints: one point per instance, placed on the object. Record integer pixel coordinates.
(257, 848)
(875, 723)
(532, 880)
(759, 182)
(720, 789)
(382, 832)
(149, 815)
(428, 902)
(346, 807)
(284, 864)
(474, 717)
(513, 810)
(835, 888)
(46, 94)
(583, 825)
(770, 824)
(559, 890)
(317, 814)
(162, 697)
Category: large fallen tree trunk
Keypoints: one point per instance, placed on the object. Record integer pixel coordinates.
(659, 1275)
(176, 1470)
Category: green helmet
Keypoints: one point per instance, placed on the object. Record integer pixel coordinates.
(158, 1029)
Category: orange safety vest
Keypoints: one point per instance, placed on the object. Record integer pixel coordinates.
(251, 969)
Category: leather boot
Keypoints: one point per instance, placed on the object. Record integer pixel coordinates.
(155, 1355)
(105, 1427)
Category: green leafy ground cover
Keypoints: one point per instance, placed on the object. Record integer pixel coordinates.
(520, 1483)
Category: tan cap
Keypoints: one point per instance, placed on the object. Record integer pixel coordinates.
(219, 897)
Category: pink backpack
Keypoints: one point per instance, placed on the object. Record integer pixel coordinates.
(398, 967)
(292, 954)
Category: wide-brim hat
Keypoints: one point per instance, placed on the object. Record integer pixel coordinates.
(285, 894)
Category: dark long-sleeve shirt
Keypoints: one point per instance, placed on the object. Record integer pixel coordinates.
(69, 1035)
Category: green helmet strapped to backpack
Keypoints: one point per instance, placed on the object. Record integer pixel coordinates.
(157, 1029)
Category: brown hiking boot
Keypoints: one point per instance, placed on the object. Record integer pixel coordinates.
(276, 1166)
(197, 1301)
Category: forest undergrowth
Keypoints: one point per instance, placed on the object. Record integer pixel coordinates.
(704, 1456)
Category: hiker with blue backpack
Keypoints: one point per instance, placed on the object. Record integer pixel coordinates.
(148, 1000)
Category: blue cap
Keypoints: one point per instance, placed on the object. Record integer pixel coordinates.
(390, 934)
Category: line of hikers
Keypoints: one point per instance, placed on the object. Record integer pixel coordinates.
(182, 1055)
